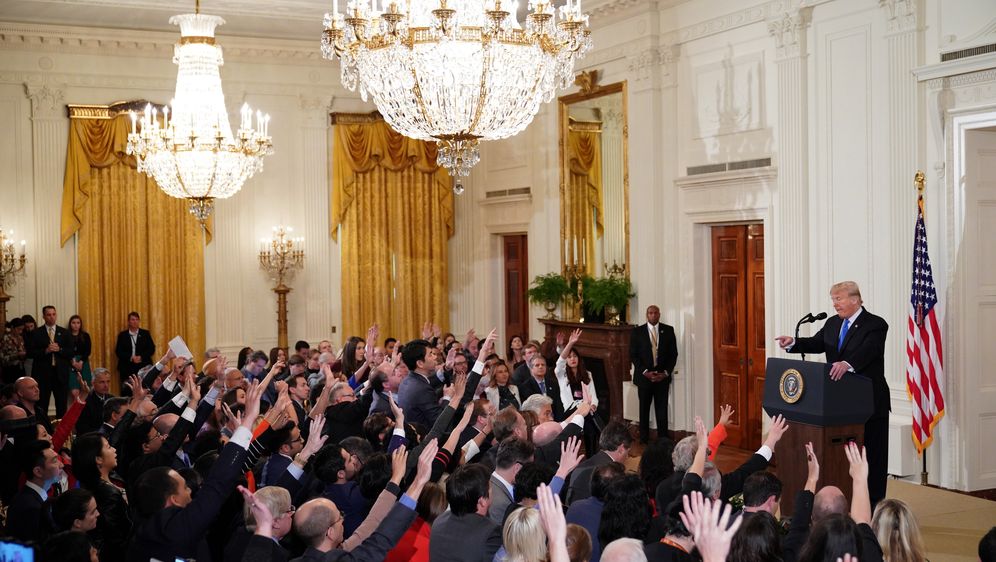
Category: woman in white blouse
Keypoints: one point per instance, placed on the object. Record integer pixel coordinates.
(573, 377)
(577, 384)
(499, 392)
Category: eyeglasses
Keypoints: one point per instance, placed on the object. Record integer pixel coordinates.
(157, 436)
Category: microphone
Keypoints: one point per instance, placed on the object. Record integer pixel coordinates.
(808, 319)
(820, 316)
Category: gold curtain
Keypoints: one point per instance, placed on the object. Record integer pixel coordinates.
(138, 248)
(584, 201)
(393, 206)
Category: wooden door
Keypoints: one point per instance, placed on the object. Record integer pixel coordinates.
(738, 328)
(516, 285)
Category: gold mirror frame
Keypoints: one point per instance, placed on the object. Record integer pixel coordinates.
(591, 90)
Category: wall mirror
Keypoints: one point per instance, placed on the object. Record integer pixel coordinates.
(594, 180)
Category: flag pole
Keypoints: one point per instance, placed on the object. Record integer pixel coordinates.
(919, 180)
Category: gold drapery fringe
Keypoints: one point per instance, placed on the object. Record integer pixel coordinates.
(393, 206)
(585, 211)
(138, 248)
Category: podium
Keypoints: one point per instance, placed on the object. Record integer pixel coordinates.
(827, 413)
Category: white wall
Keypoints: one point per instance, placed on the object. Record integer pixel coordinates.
(45, 67)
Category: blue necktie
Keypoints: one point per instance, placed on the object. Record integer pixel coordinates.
(843, 333)
(542, 386)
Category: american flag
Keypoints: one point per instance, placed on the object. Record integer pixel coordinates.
(924, 356)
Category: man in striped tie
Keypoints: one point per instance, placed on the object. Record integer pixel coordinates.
(854, 342)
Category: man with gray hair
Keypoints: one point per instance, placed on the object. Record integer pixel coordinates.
(278, 501)
(624, 550)
(541, 405)
(92, 416)
(346, 412)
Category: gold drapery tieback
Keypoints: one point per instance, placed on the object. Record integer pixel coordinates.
(137, 248)
(392, 213)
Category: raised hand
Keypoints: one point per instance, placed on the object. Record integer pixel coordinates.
(858, 460)
(785, 342)
(138, 392)
(725, 414)
(260, 512)
(700, 433)
(778, 428)
(553, 521)
(399, 464)
(458, 386)
(569, 456)
(713, 531)
(813, 466)
(468, 412)
(575, 336)
(192, 391)
(399, 414)
(426, 330)
(561, 339)
(253, 395)
(488, 346)
(84, 390)
(315, 439)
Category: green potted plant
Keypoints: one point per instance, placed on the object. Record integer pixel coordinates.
(609, 295)
(548, 289)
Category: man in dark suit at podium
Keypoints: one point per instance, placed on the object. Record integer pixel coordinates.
(854, 342)
(653, 350)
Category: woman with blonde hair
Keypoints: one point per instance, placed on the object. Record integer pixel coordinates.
(523, 537)
(898, 532)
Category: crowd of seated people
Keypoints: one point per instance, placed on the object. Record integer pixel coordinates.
(434, 449)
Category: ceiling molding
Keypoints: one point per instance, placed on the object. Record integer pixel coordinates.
(146, 44)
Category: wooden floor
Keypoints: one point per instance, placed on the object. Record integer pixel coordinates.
(951, 522)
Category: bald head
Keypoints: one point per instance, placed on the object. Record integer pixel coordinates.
(829, 500)
(545, 433)
(313, 520)
(164, 423)
(12, 413)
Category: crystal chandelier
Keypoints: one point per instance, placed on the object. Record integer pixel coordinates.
(457, 73)
(191, 153)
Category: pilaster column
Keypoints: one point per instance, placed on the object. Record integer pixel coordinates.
(904, 114)
(55, 265)
(317, 288)
(791, 216)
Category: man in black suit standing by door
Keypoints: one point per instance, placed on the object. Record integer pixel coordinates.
(134, 348)
(653, 350)
(854, 342)
(51, 347)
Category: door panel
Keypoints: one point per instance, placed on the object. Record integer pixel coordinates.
(516, 285)
(738, 328)
(729, 298)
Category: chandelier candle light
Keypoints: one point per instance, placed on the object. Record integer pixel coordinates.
(457, 73)
(191, 153)
(280, 259)
(12, 260)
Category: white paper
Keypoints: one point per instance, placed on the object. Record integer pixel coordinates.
(180, 348)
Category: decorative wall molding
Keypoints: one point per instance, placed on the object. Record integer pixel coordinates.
(146, 44)
(64, 81)
(901, 15)
(46, 100)
(963, 69)
(789, 30)
(721, 24)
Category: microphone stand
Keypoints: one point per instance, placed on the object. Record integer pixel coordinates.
(807, 318)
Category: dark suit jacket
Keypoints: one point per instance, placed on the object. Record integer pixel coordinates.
(24, 516)
(144, 348)
(864, 349)
(92, 416)
(36, 344)
(580, 484)
(373, 549)
(238, 547)
(274, 469)
(114, 525)
(419, 400)
(462, 538)
(345, 419)
(177, 532)
(641, 352)
(531, 387)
